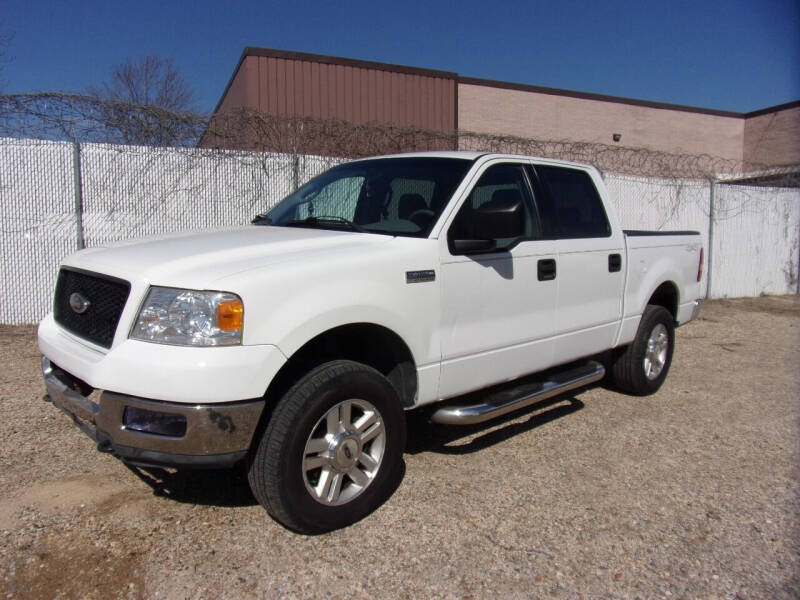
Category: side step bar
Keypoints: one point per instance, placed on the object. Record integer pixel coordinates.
(509, 400)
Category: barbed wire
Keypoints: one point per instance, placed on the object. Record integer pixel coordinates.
(80, 118)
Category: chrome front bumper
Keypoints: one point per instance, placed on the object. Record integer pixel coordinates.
(217, 435)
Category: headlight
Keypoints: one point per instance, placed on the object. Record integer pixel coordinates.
(190, 318)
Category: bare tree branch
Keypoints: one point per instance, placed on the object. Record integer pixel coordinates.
(89, 119)
(153, 83)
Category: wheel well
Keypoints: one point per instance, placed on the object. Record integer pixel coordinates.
(369, 344)
(666, 295)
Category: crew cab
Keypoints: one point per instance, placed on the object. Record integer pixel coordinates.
(296, 342)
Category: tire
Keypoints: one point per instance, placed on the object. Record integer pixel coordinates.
(642, 366)
(332, 448)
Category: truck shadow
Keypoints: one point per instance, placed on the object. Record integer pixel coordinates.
(226, 488)
(229, 487)
(424, 436)
(209, 487)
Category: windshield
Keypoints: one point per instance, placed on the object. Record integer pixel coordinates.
(396, 196)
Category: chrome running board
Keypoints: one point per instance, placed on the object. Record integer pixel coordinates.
(508, 400)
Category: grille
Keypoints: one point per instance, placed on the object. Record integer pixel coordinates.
(106, 298)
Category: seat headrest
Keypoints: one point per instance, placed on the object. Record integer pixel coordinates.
(409, 203)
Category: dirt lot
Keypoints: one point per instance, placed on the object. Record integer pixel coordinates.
(691, 493)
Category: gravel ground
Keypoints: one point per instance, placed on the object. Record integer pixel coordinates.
(690, 493)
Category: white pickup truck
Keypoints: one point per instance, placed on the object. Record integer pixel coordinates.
(295, 343)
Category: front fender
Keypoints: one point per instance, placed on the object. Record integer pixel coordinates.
(302, 308)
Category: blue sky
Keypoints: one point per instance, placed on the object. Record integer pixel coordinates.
(730, 55)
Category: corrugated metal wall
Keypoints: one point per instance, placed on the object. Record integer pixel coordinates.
(130, 192)
(347, 90)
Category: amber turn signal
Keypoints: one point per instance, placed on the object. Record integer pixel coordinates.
(230, 315)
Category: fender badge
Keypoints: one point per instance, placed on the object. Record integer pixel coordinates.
(420, 276)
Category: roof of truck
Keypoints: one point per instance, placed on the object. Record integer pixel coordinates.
(466, 155)
(470, 155)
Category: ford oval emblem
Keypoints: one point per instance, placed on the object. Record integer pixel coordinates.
(78, 303)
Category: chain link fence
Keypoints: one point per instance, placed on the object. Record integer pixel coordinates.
(751, 233)
(58, 197)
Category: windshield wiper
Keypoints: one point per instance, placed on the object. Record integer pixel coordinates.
(261, 219)
(325, 220)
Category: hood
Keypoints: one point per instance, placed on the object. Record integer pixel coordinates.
(198, 259)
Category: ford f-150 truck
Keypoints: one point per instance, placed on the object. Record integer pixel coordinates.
(295, 343)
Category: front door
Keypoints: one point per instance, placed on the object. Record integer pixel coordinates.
(498, 308)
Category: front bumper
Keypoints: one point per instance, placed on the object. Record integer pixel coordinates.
(217, 435)
(191, 375)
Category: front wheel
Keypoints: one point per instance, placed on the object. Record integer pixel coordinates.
(642, 366)
(331, 449)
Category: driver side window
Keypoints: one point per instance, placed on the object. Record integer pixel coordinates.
(498, 185)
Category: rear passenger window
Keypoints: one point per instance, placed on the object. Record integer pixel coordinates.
(574, 208)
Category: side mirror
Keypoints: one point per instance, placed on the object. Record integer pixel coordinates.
(472, 246)
(497, 219)
(500, 219)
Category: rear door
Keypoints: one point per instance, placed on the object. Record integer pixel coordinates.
(590, 258)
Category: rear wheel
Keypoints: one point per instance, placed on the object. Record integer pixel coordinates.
(642, 366)
(331, 449)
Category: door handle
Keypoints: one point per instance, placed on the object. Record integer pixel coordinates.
(614, 263)
(546, 268)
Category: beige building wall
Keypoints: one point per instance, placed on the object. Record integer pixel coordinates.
(773, 138)
(496, 110)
